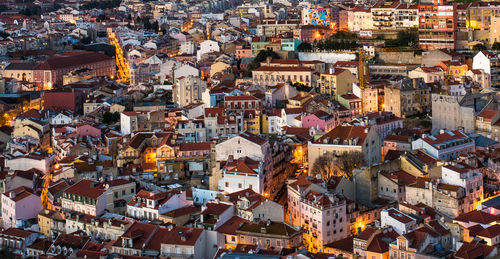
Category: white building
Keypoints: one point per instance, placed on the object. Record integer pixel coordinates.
(489, 63)
(447, 145)
(399, 221)
(469, 178)
(149, 205)
(188, 90)
(322, 215)
(62, 119)
(241, 174)
(24, 163)
(187, 47)
(207, 46)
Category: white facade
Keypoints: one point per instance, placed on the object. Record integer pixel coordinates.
(207, 46)
(240, 147)
(61, 119)
(447, 150)
(26, 163)
(127, 123)
(468, 178)
(399, 221)
(238, 181)
(187, 47)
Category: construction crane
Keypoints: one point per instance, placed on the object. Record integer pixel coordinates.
(361, 76)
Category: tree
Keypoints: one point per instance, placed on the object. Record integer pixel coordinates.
(331, 164)
(479, 47)
(495, 46)
(107, 117)
(261, 57)
(305, 46)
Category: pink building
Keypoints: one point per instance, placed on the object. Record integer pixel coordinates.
(243, 52)
(319, 120)
(19, 205)
(84, 130)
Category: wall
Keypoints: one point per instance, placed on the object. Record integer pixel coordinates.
(399, 57)
(326, 57)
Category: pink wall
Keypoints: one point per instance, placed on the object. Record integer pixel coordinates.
(312, 120)
(87, 130)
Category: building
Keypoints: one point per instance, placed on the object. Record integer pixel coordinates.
(61, 100)
(437, 25)
(467, 177)
(252, 206)
(400, 222)
(188, 90)
(446, 145)
(374, 242)
(322, 215)
(383, 15)
(273, 75)
(133, 121)
(149, 205)
(18, 206)
(407, 97)
(490, 64)
(50, 72)
(429, 74)
(93, 198)
(243, 173)
(347, 139)
(336, 82)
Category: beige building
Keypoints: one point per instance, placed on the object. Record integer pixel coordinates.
(429, 74)
(347, 139)
(271, 76)
(407, 97)
(188, 90)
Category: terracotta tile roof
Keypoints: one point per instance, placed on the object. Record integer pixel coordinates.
(217, 209)
(490, 232)
(72, 59)
(345, 244)
(243, 165)
(477, 216)
(273, 228)
(86, 188)
(283, 69)
(341, 133)
(17, 232)
(488, 114)
(474, 250)
(401, 177)
(19, 193)
(398, 138)
(181, 211)
(445, 137)
(71, 241)
(194, 146)
(139, 232)
(177, 235)
(253, 138)
(240, 98)
(229, 227)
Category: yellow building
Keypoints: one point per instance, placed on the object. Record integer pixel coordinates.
(480, 15)
(218, 67)
(251, 121)
(453, 68)
(51, 222)
(336, 82)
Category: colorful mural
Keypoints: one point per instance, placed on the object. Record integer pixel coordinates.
(319, 16)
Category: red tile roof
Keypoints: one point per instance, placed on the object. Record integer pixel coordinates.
(342, 133)
(490, 232)
(86, 188)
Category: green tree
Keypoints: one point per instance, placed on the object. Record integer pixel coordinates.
(479, 47)
(261, 57)
(495, 46)
(305, 46)
(107, 118)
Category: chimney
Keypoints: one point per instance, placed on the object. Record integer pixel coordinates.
(12, 195)
(366, 130)
(332, 70)
(441, 131)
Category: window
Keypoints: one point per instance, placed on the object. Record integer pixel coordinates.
(227, 184)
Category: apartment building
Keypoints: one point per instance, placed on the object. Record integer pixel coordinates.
(437, 25)
(322, 215)
(383, 15)
(446, 145)
(336, 82)
(490, 64)
(273, 75)
(467, 177)
(407, 97)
